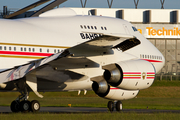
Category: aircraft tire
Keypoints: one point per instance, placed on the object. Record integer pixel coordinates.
(15, 106)
(118, 106)
(35, 106)
(110, 106)
(25, 106)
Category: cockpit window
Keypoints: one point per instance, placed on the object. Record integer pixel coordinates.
(134, 29)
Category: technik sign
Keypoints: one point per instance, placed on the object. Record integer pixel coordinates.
(151, 32)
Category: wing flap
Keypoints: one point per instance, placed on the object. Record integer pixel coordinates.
(99, 46)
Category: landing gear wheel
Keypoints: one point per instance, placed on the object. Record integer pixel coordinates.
(25, 106)
(35, 106)
(110, 106)
(118, 106)
(15, 106)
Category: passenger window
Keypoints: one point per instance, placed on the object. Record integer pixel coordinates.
(4, 47)
(33, 50)
(40, 50)
(84, 26)
(92, 27)
(0, 47)
(102, 28)
(14, 48)
(58, 51)
(88, 27)
(21, 49)
(29, 49)
(9, 48)
(47, 50)
(81, 26)
(105, 28)
(54, 50)
(24, 49)
(95, 27)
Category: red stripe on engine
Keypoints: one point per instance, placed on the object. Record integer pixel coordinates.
(131, 72)
(114, 88)
(25, 53)
(131, 77)
(150, 78)
(150, 73)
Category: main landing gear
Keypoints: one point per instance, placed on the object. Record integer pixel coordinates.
(23, 104)
(116, 104)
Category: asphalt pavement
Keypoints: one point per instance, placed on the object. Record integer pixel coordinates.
(4, 109)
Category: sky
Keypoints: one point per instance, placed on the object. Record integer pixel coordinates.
(147, 4)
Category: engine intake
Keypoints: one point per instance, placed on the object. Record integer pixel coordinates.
(101, 88)
(114, 75)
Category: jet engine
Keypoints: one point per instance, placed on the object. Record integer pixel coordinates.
(130, 75)
(102, 89)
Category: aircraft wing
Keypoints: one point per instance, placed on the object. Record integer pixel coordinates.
(57, 66)
(101, 45)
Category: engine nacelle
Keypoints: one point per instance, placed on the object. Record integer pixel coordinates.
(130, 75)
(102, 89)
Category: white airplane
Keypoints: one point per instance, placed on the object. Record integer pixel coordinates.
(63, 51)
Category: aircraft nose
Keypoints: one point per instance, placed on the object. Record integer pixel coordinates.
(163, 60)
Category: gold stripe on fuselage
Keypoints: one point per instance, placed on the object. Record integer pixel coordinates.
(17, 56)
(31, 45)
